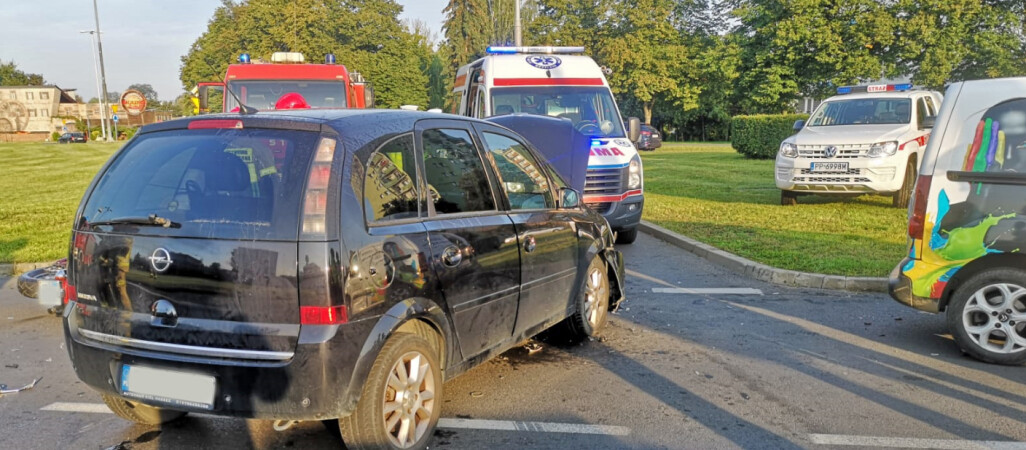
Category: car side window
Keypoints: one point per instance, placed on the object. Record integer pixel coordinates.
(390, 185)
(523, 180)
(922, 111)
(1000, 140)
(454, 172)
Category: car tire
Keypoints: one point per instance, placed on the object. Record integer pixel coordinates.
(627, 236)
(987, 307)
(367, 427)
(788, 198)
(592, 305)
(904, 195)
(138, 412)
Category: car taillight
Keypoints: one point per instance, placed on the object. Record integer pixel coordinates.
(323, 315)
(917, 218)
(316, 195)
(70, 294)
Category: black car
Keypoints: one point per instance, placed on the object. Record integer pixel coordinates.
(310, 265)
(650, 138)
(73, 137)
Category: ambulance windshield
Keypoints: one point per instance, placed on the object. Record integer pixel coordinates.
(590, 108)
(263, 95)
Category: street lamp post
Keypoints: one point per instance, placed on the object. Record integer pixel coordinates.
(99, 51)
(96, 72)
(517, 36)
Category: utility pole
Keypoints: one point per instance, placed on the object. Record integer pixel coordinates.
(103, 73)
(517, 37)
(96, 71)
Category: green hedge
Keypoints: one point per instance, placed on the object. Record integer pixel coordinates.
(759, 136)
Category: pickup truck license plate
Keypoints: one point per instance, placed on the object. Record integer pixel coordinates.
(829, 167)
(168, 386)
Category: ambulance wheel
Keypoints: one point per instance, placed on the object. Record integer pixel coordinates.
(627, 236)
(903, 196)
(788, 198)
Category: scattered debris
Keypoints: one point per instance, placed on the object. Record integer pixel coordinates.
(11, 366)
(867, 323)
(476, 394)
(49, 359)
(4, 390)
(745, 395)
(532, 348)
(282, 425)
(124, 445)
(897, 319)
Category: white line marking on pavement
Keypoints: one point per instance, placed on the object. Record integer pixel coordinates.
(898, 442)
(708, 291)
(538, 427)
(470, 424)
(98, 408)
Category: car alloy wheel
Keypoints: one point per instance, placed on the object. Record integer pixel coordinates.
(596, 289)
(994, 317)
(409, 399)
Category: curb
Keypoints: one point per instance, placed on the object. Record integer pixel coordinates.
(15, 269)
(761, 271)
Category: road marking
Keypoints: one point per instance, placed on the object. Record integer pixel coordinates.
(898, 442)
(538, 427)
(98, 408)
(708, 291)
(468, 424)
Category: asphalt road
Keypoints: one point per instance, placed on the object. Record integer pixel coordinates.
(786, 368)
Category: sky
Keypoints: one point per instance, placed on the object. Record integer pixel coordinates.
(143, 40)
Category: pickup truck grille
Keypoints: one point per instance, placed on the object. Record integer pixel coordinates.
(604, 182)
(851, 151)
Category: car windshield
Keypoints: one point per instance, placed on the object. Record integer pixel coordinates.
(264, 94)
(590, 108)
(863, 111)
(236, 184)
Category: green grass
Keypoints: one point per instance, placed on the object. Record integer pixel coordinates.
(40, 187)
(710, 193)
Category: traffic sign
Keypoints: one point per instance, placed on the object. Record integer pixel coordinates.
(115, 118)
(114, 108)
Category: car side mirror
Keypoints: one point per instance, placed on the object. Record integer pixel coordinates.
(569, 198)
(798, 125)
(634, 129)
(927, 123)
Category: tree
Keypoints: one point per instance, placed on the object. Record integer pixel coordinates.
(147, 91)
(503, 20)
(11, 76)
(431, 63)
(571, 23)
(467, 30)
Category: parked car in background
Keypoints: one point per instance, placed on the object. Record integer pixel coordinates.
(72, 137)
(319, 264)
(967, 222)
(865, 140)
(650, 138)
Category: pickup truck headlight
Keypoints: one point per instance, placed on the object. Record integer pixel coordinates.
(881, 149)
(788, 150)
(634, 174)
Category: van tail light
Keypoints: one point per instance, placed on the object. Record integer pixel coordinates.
(323, 315)
(316, 196)
(917, 218)
(70, 293)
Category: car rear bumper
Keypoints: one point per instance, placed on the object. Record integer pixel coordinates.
(899, 286)
(313, 384)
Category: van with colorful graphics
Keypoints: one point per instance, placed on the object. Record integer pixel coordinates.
(967, 221)
(555, 82)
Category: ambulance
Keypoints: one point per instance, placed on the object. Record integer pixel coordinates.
(559, 82)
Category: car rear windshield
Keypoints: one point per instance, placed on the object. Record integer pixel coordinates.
(226, 184)
(863, 111)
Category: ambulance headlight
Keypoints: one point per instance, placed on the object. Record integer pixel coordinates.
(881, 149)
(788, 150)
(634, 174)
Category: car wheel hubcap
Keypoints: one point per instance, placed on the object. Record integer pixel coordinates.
(995, 318)
(409, 399)
(594, 293)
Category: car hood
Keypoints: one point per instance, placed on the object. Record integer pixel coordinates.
(849, 134)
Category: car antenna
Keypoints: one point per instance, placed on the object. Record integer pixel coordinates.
(243, 109)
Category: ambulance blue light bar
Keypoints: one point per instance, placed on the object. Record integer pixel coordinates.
(545, 50)
(875, 88)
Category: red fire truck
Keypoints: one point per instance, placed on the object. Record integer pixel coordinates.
(259, 84)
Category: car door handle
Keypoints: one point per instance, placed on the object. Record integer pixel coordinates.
(452, 256)
(530, 244)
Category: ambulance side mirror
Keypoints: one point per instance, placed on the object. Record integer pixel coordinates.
(634, 129)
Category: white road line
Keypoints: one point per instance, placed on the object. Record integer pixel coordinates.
(98, 408)
(898, 442)
(538, 427)
(708, 291)
(470, 424)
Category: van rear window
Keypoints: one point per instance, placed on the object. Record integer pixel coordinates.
(228, 184)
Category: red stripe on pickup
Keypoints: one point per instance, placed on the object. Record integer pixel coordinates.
(548, 82)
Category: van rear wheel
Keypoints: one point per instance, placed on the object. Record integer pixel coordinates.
(987, 316)
(138, 412)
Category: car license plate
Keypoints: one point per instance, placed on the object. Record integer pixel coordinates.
(168, 386)
(829, 167)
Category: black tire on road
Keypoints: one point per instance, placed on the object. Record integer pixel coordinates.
(28, 282)
(366, 427)
(902, 198)
(979, 318)
(627, 236)
(138, 412)
(592, 305)
(788, 198)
